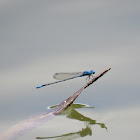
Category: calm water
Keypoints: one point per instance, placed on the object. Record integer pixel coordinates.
(40, 38)
(81, 121)
(89, 123)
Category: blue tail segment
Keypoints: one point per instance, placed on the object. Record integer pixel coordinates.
(39, 86)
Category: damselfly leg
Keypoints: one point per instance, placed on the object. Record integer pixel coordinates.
(89, 78)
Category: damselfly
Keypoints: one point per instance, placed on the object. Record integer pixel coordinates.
(67, 76)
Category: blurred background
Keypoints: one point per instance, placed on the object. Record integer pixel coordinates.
(40, 38)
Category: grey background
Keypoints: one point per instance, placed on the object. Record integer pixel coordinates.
(40, 38)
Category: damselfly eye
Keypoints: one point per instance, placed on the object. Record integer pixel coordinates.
(92, 71)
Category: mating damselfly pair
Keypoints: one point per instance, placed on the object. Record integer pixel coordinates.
(67, 76)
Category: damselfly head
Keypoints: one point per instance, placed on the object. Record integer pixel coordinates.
(92, 71)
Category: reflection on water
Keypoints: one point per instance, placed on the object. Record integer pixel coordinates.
(72, 113)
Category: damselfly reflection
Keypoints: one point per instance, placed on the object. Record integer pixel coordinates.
(72, 113)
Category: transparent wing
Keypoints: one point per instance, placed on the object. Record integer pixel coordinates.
(63, 76)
